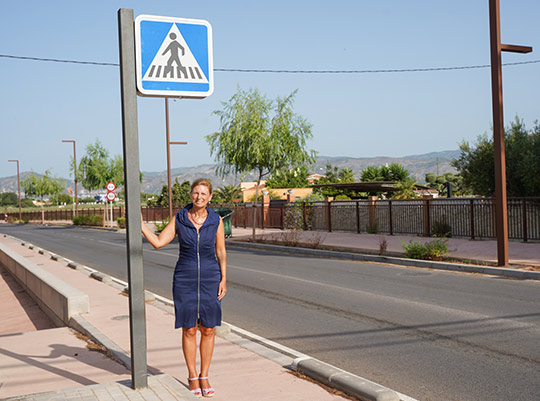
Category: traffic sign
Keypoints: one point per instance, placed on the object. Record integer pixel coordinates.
(111, 196)
(173, 57)
(111, 186)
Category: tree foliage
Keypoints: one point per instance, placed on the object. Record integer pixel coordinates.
(289, 178)
(227, 194)
(261, 135)
(96, 168)
(334, 175)
(441, 182)
(180, 194)
(522, 149)
(39, 187)
(9, 199)
(395, 173)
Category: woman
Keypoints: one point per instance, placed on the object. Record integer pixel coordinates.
(200, 278)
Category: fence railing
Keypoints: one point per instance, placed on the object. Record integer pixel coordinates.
(462, 217)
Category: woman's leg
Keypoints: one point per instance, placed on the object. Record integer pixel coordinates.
(189, 348)
(208, 336)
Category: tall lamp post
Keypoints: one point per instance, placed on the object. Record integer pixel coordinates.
(501, 213)
(169, 143)
(18, 186)
(74, 174)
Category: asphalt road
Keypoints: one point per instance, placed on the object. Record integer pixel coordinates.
(429, 334)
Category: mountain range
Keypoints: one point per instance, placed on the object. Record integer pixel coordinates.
(418, 166)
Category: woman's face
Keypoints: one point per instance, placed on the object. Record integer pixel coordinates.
(200, 195)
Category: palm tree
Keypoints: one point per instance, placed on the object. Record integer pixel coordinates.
(227, 194)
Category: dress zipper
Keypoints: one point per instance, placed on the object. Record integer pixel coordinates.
(198, 278)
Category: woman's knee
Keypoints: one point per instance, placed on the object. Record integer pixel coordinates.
(190, 333)
(207, 331)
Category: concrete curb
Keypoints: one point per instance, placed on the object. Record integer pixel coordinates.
(80, 324)
(344, 381)
(497, 271)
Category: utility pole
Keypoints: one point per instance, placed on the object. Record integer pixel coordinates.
(18, 186)
(169, 143)
(74, 174)
(501, 213)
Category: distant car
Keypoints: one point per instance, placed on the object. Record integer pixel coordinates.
(100, 198)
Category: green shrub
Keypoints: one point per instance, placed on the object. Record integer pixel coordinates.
(441, 229)
(432, 250)
(95, 220)
(161, 226)
(121, 222)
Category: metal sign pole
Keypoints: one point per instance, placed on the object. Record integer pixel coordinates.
(137, 317)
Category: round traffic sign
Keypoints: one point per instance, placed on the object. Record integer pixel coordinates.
(111, 186)
(111, 196)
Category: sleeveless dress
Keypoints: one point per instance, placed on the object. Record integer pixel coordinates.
(197, 273)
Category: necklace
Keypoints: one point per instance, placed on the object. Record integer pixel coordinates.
(198, 219)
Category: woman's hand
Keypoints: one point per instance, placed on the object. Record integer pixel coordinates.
(222, 289)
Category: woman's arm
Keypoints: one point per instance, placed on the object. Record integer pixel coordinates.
(221, 254)
(166, 236)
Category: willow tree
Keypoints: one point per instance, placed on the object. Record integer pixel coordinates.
(260, 135)
(35, 186)
(96, 169)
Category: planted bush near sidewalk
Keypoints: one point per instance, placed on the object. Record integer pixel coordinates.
(432, 250)
(95, 220)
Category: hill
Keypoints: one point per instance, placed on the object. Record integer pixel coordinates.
(417, 165)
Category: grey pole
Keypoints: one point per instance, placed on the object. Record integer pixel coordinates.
(137, 319)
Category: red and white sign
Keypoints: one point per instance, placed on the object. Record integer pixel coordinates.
(111, 186)
(111, 196)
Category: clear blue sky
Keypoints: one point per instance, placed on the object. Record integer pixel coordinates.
(358, 115)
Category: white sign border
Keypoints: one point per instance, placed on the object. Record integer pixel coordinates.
(172, 93)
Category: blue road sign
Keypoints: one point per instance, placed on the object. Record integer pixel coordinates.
(173, 57)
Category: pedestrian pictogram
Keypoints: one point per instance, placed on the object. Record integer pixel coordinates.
(174, 57)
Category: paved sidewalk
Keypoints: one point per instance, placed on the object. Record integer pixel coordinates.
(55, 359)
(520, 253)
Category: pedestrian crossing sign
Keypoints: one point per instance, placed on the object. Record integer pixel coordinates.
(173, 57)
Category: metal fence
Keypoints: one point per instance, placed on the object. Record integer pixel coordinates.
(461, 217)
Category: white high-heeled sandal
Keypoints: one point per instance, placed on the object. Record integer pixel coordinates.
(197, 392)
(207, 392)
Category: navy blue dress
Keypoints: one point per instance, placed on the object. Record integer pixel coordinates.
(197, 273)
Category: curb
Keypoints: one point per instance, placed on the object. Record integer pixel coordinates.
(317, 370)
(462, 267)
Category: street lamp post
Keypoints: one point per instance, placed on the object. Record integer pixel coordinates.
(18, 186)
(74, 174)
(169, 143)
(501, 213)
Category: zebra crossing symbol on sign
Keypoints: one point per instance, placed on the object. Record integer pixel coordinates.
(174, 57)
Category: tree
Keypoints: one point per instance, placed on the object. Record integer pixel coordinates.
(35, 186)
(180, 193)
(9, 199)
(441, 183)
(522, 147)
(96, 169)
(289, 178)
(60, 199)
(333, 175)
(227, 194)
(261, 135)
(393, 173)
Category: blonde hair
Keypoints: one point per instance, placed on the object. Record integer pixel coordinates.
(202, 181)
